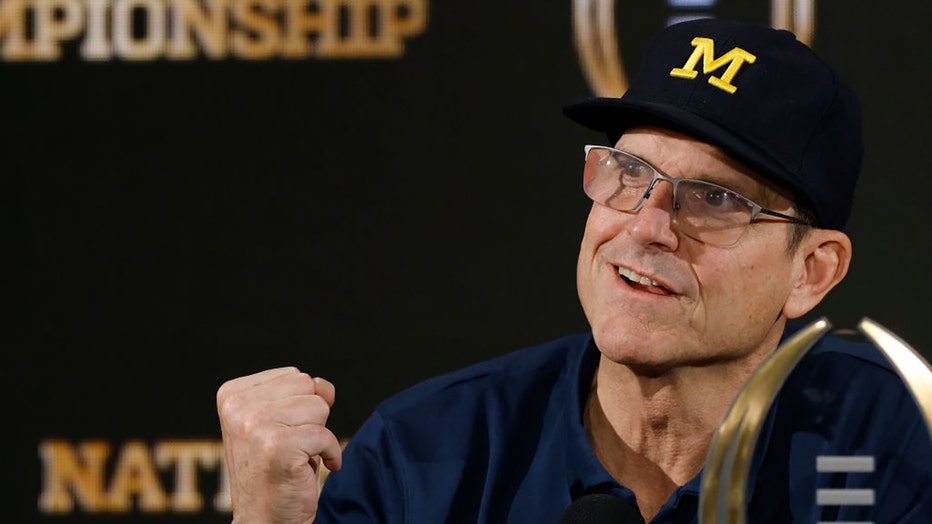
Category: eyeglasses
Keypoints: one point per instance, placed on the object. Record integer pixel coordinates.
(704, 211)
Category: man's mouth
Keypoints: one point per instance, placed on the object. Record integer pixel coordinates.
(642, 282)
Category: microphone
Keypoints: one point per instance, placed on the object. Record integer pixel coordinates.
(600, 508)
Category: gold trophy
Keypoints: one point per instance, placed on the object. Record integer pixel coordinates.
(725, 481)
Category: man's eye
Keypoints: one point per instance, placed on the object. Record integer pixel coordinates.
(634, 170)
(701, 200)
(717, 197)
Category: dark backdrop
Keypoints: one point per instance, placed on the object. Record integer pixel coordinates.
(373, 220)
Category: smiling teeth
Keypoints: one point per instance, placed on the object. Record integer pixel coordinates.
(634, 277)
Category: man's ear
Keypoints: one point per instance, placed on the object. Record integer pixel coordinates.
(822, 260)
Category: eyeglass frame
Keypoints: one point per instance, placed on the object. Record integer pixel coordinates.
(756, 209)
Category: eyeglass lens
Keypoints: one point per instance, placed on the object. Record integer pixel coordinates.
(705, 211)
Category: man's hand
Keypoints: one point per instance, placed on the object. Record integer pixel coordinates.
(274, 436)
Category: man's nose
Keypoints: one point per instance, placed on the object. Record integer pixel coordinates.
(652, 222)
(661, 191)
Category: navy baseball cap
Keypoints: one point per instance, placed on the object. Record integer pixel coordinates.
(763, 97)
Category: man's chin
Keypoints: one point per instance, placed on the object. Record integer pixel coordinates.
(640, 365)
(635, 352)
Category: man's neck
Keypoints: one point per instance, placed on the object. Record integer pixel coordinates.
(652, 433)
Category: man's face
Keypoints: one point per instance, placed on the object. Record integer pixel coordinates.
(712, 303)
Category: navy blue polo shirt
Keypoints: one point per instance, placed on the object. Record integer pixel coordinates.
(503, 442)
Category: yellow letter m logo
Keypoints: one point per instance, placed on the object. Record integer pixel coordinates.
(705, 49)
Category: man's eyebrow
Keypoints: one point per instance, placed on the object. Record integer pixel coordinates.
(711, 178)
(742, 183)
(739, 182)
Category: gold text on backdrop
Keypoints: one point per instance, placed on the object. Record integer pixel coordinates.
(139, 30)
(89, 477)
(77, 475)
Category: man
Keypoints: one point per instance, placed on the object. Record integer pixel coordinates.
(716, 218)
